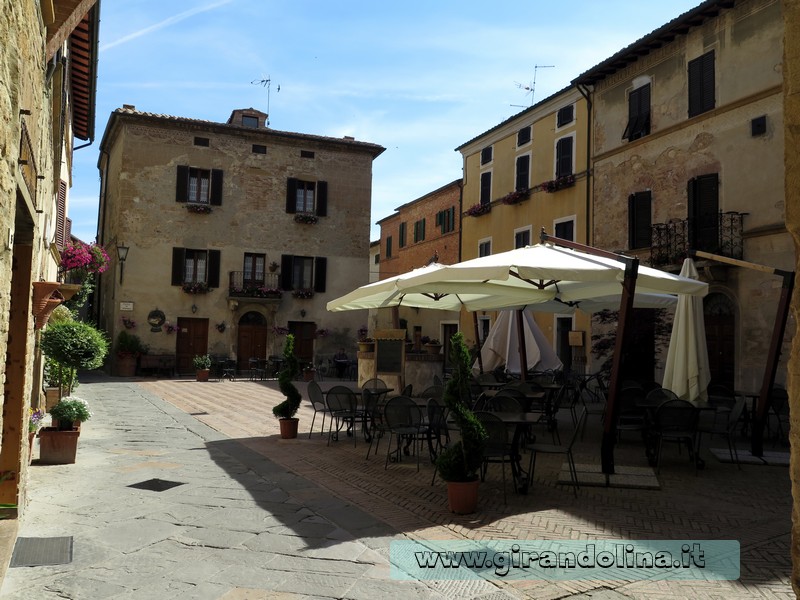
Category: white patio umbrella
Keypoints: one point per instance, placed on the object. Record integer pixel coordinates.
(501, 346)
(686, 371)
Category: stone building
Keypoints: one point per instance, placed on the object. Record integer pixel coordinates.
(424, 230)
(687, 153)
(48, 63)
(231, 233)
(526, 174)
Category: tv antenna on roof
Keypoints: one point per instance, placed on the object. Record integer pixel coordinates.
(267, 83)
(531, 88)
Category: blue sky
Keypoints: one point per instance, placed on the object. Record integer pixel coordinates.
(419, 78)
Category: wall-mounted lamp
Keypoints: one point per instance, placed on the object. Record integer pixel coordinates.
(122, 254)
(194, 308)
(302, 312)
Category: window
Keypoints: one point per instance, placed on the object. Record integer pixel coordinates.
(303, 272)
(639, 220)
(377, 259)
(485, 247)
(522, 238)
(638, 114)
(191, 265)
(523, 172)
(259, 149)
(524, 136)
(249, 121)
(389, 247)
(701, 84)
(565, 229)
(201, 141)
(401, 236)
(703, 195)
(565, 115)
(486, 187)
(446, 219)
(564, 157)
(306, 154)
(486, 155)
(419, 231)
(254, 268)
(484, 326)
(307, 197)
(200, 186)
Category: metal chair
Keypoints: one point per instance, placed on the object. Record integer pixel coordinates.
(537, 448)
(403, 418)
(674, 421)
(317, 399)
(343, 407)
(229, 369)
(726, 428)
(497, 447)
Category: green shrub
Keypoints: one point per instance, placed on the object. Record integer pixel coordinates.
(201, 362)
(74, 345)
(129, 344)
(70, 410)
(291, 369)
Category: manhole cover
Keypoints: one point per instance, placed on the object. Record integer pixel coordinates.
(156, 485)
(37, 552)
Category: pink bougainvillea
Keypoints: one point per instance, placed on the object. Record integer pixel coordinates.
(91, 258)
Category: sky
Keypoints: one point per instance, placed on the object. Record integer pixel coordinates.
(418, 78)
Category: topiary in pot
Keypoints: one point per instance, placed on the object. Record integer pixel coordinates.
(74, 345)
(291, 369)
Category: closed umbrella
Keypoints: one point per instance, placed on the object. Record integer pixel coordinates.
(501, 346)
(686, 372)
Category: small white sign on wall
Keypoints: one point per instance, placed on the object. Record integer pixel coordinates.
(127, 306)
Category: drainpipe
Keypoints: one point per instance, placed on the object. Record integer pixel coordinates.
(587, 95)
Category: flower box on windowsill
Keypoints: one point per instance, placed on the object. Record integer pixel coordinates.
(200, 209)
(305, 218)
(476, 210)
(303, 294)
(557, 184)
(516, 196)
(197, 287)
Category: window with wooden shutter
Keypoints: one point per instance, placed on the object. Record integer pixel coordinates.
(486, 187)
(486, 155)
(212, 270)
(565, 115)
(523, 172)
(253, 268)
(524, 136)
(291, 196)
(701, 84)
(639, 220)
(638, 114)
(182, 184)
(61, 216)
(389, 247)
(565, 230)
(322, 199)
(401, 236)
(704, 216)
(419, 231)
(177, 266)
(485, 248)
(564, 157)
(216, 187)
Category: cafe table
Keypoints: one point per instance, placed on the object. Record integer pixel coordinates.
(521, 422)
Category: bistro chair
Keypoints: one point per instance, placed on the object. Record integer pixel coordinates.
(726, 429)
(593, 395)
(537, 448)
(497, 447)
(343, 407)
(317, 399)
(674, 421)
(433, 391)
(438, 432)
(374, 418)
(779, 404)
(403, 418)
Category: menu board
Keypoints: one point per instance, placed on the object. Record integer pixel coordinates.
(389, 356)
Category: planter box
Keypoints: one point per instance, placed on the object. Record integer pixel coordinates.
(57, 447)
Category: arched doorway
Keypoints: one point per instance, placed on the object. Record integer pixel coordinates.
(719, 314)
(252, 339)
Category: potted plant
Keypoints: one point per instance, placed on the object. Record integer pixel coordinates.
(34, 424)
(286, 410)
(433, 346)
(129, 348)
(202, 366)
(73, 345)
(365, 344)
(460, 463)
(58, 445)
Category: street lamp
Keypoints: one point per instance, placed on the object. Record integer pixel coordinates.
(122, 253)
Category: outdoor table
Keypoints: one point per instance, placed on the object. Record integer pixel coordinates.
(521, 421)
(749, 416)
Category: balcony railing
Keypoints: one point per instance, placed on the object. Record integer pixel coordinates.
(240, 286)
(672, 241)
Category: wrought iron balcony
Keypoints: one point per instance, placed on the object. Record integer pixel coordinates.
(240, 286)
(671, 241)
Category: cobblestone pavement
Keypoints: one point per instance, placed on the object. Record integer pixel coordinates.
(752, 505)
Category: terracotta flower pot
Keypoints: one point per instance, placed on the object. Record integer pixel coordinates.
(288, 428)
(41, 293)
(44, 314)
(57, 447)
(202, 374)
(462, 496)
(126, 366)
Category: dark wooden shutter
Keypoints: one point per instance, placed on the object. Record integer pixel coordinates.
(564, 157)
(178, 257)
(320, 273)
(216, 187)
(639, 220)
(701, 84)
(182, 184)
(486, 188)
(322, 199)
(423, 229)
(523, 169)
(452, 218)
(703, 195)
(287, 264)
(213, 268)
(61, 215)
(708, 81)
(291, 195)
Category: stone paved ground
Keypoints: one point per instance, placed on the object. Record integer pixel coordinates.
(720, 502)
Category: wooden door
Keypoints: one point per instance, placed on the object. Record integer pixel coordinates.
(304, 334)
(448, 331)
(191, 341)
(252, 339)
(718, 314)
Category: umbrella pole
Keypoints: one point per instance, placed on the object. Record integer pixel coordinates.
(478, 340)
(523, 352)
